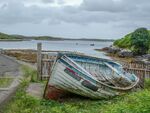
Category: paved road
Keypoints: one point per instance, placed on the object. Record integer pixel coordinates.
(8, 66)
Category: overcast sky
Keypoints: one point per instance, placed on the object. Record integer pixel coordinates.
(74, 18)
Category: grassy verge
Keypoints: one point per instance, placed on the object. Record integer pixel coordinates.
(5, 82)
(135, 102)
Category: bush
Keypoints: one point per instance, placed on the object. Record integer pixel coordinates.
(138, 41)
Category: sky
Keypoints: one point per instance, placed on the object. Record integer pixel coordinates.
(103, 19)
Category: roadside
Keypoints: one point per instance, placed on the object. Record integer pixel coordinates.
(9, 69)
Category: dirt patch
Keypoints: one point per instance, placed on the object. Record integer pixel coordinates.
(36, 90)
(24, 55)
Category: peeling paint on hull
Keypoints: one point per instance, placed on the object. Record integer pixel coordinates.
(68, 74)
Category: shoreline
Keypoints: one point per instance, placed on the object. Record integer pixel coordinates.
(27, 55)
(12, 40)
(114, 54)
(115, 57)
(99, 40)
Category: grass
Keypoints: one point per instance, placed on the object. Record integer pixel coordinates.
(5, 82)
(24, 56)
(135, 102)
(124, 42)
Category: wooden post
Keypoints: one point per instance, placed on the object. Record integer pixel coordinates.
(1, 51)
(39, 61)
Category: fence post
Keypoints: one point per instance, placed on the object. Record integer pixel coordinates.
(1, 51)
(39, 61)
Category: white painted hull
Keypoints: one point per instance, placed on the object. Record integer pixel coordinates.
(62, 79)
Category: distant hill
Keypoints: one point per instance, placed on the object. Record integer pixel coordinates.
(85, 39)
(37, 37)
(4, 36)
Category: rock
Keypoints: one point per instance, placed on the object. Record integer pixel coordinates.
(125, 53)
(36, 90)
(105, 49)
(114, 50)
(145, 58)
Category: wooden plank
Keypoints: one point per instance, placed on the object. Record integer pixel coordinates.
(39, 61)
(48, 60)
(137, 69)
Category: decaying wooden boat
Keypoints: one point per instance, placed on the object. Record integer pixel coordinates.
(88, 76)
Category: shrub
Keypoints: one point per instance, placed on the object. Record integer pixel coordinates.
(138, 41)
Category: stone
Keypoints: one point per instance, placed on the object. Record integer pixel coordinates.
(125, 53)
(36, 90)
(114, 50)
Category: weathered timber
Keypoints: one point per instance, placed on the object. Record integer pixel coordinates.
(39, 61)
(48, 57)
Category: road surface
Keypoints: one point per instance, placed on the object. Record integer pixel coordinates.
(8, 67)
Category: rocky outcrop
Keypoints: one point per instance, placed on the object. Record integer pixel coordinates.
(118, 51)
(125, 53)
(113, 50)
(144, 58)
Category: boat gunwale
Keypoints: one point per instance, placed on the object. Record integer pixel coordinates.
(99, 82)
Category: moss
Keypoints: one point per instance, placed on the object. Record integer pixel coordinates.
(5, 82)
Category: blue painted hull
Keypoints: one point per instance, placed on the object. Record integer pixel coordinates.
(89, 76)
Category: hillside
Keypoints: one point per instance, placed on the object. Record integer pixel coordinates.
(140, 39)
(4, 36)
(124, 42)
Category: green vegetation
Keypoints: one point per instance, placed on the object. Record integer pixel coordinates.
(29, 73)
(138, 41)
(46, 38)
(124, 42)
(135, 102)
(5, 82)
(4, 36)
(8, 37)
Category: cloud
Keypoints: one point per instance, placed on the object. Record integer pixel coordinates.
(102, 5)
(48, 1)
(90, 11)
(116, 14)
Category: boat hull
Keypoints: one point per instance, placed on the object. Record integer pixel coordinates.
(68, 78)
